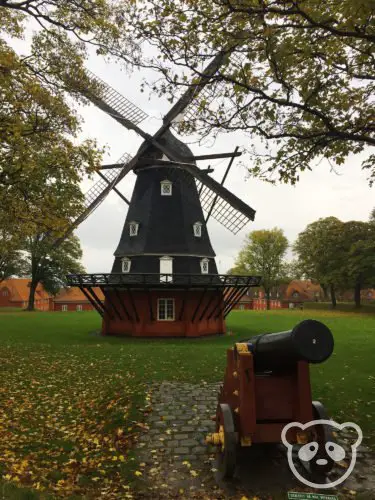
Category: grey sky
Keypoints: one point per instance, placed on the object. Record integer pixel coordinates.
(320, 193)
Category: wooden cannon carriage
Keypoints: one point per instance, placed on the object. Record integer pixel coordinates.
(267, 386)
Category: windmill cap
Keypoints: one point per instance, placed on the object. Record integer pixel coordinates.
(169, 140)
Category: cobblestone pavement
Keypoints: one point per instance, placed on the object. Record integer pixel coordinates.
(176, 462)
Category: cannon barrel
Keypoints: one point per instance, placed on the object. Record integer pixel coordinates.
(310, 341)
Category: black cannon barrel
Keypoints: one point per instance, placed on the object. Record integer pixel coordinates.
(310, 341)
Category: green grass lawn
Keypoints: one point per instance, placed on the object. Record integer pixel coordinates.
(72, 402)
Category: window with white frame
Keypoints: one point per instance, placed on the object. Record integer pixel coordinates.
(79, 308)
(125, 265)
(166, 267)
(204, 266)
(5, 292)
(197, 228)
(166, 310)
(166, 188)
(64, 307)
(133, 228)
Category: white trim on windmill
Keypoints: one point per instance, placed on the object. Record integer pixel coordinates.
(125, 264)
(204, 266)
(166, 187)
(166, 269)
(133, 228)
(197, 228)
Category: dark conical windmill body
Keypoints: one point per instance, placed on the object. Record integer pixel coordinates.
(165, 235)
(164, 280)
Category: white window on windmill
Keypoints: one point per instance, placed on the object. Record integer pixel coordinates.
(166, 269)
(197, 228)
(204, 266)
(125, 264)
(166, 188)
(133, 228)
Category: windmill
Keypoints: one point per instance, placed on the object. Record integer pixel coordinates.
(164, 280)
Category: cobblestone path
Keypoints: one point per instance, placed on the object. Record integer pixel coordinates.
(176, 462)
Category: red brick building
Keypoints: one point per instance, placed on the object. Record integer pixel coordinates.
(294, 294)
(72, 299)
(15, 293)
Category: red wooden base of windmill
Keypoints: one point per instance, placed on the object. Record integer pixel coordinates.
(146, 305)
(190, 314)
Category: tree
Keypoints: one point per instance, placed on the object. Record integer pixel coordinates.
(319, 254)
(12, 262)
(338, 254)
(262, 254)
(38, 120)
(49, 266)
(299, 75)
(358, 239)
(291, 271)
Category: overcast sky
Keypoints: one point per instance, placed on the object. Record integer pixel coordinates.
(320, 193)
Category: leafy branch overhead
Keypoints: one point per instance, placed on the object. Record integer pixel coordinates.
(299, 75)
(40, 155)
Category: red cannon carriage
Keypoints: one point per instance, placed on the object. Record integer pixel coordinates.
(267, 386)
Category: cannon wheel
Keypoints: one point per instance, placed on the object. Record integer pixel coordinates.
(323, 435)
(227, 452)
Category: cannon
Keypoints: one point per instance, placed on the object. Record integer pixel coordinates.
(266, 386)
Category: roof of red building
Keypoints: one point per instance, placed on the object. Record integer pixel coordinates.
(20, 289)
(74, 294)
(306, 289)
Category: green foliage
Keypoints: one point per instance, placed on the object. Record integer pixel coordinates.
(12, 262)
(319, 255)
(338, 254)
(49, 266)
(262, 255)
(299, 76)
(358, 240)
(39, 151)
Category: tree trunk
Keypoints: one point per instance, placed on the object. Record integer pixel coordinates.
(30, 305)
(268, 299)
(35, 278)
(325, 291)
(333, 296)
(357, 295)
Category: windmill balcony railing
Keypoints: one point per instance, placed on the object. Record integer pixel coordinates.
(143, 280)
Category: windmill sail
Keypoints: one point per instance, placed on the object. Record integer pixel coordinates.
(115, 104)
(223, 206)
(222, 211)
(206, 92)
(111, 176)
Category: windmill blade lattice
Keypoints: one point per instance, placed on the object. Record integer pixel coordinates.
(223, 212)
(207, 93)
(95, 192)
(231, 218)
(115, 103)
